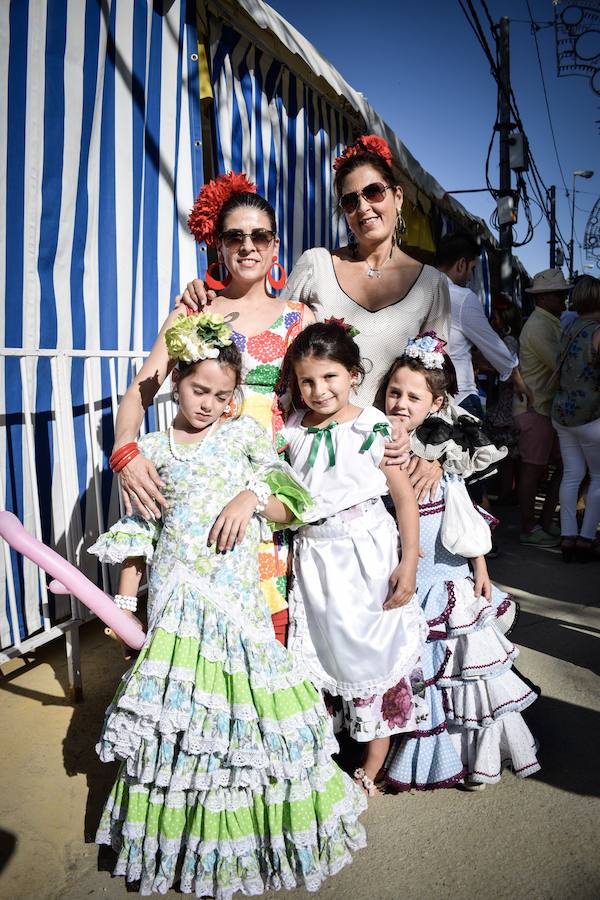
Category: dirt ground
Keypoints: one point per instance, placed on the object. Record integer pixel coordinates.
(533, 838)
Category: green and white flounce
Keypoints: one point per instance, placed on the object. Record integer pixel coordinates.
(226, 751)
(130, 537)
(223, 841)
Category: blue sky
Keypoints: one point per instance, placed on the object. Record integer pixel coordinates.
(421, 68)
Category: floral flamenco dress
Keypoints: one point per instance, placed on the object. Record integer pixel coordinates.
(262, 358)
(475, 698)
(226, 778)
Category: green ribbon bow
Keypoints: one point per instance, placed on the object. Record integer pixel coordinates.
(379, 428)
(319, 434)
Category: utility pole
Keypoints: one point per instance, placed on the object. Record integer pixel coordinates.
(552, 198)
(506, 233)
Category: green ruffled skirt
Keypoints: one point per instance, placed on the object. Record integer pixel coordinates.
(226, 782)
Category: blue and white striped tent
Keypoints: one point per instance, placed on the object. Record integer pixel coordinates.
(101, 145)
(102, 149)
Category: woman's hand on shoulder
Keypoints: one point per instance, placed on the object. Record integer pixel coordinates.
(194, 297)
(403, 584)
(425, 476)
(308, 316)
(141, 485)
(397, 451)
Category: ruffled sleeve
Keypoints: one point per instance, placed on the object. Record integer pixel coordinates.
(270, 469)
(130, 537)
(457, 439)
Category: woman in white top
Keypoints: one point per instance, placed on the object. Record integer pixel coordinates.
(371, 283)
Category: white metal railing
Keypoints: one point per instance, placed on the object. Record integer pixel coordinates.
(70, 533)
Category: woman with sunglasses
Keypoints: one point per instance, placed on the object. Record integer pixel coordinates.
(229, 213)
(370, 283)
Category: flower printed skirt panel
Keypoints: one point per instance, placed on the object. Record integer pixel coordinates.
(226, 778)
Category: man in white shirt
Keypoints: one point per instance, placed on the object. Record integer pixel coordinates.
(456, 257)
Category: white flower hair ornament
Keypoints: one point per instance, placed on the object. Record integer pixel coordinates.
(428, 348)
(202, 336)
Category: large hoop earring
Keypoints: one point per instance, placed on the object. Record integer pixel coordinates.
(212, 282)
(399, 228)
(278, 283)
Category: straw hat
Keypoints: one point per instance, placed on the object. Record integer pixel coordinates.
(547, 282)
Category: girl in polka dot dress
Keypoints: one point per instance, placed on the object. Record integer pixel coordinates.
(475, 697)
(226, 780)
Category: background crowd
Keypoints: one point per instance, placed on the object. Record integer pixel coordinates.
(532, 374)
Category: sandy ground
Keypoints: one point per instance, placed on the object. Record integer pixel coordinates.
(533, 838)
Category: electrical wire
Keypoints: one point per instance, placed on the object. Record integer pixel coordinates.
(534, 176)
(537, 50)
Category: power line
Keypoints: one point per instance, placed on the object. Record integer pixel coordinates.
(535, 179)
(491, 22)
(537, 50)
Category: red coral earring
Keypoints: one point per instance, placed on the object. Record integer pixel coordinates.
(278, 283)
(212, 282)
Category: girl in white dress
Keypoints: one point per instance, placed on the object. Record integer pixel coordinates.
(355, 620)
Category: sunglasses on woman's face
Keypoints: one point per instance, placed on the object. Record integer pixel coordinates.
(261, 238)
(373, 193)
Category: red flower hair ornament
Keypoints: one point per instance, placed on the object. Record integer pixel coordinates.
(209, 202)
(367, 143)
(350, 330)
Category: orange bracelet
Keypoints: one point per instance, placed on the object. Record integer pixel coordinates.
(125, 460)
(121, 452)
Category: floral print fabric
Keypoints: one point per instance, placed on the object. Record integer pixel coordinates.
(577, 400)
(262, 358)
(226, 777)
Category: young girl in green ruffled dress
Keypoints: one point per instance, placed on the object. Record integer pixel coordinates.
(226, 779)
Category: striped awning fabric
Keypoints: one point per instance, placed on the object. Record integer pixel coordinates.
(100, 141)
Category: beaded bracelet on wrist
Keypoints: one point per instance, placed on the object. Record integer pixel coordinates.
(126, 601)
(262, 492)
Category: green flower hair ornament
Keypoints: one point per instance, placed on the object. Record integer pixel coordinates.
(202, 336)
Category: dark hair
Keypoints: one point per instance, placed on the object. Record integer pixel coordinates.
(453, 247)
(241, 199)
(364, 159)
(510, 316)
(323, 340)
(229, 357)
(585, 298)
(440, 382)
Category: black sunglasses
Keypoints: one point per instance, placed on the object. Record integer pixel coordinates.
(373, 193)
(234, 238)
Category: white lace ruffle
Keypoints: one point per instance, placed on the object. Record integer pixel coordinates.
(478, 655)
(276, 855)
(130, 537)
(478, 704)
(486, 752)
(232, 665)
(299, 635)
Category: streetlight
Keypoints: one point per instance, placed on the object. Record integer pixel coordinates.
(581, 173)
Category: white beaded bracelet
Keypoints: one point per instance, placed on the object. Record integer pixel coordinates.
(262, 491)
(126, 601)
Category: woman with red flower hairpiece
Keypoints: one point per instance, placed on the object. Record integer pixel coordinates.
(230, 214)
(371, 283)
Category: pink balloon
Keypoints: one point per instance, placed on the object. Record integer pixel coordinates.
(70, 580)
